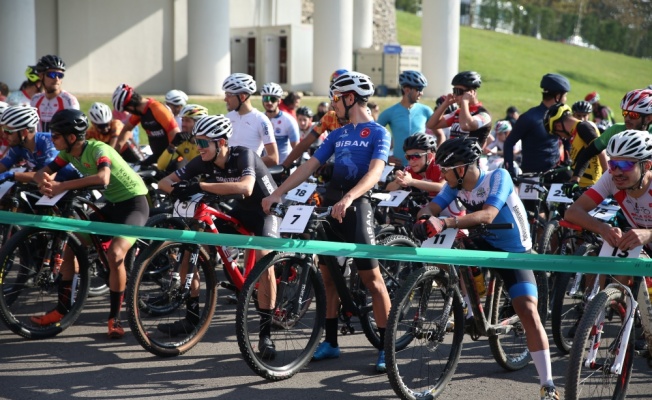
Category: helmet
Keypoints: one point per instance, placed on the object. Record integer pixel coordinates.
(353, 82)
(420, 141)
(194, 111)
(458, 150)
(337, 74)
(470, 79)
(176, 97)
(503, 126)
(305, 111)
(121, 96)
(554, 83)
(31, 73)
(213, 126)
(555, 113)
(639, 100)
(631, 143)
(50, 62)
(583, 107)
(100, 113)
(239, 83)
(69, 121)
(272, 89)
(19, 117)
(592, 97)
(412, 78)
(3, 107)
(452, 108)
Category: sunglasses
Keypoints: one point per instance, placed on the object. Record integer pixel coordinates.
(459, 92)
(203, 143)
(631, 114)
(336, 98)
(270, 99)
(446, 169)
(54, 75)
(414, 156)
(624, 166)
(102, 127)
(10, 131)
(417, 88)
(55, 136)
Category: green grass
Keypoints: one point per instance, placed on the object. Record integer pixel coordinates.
(511, 67)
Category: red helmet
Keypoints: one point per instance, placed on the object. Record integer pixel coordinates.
(592, 97)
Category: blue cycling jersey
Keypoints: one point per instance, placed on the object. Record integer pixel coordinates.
(404, 122)
(496, 189)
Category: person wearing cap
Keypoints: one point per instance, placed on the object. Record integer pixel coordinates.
(511, 115)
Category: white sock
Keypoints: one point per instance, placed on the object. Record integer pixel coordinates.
(469, 310)
(541, 360)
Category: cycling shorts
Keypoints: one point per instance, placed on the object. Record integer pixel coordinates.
(133, 211)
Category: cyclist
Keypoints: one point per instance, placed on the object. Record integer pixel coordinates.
(361, 151)
(286, 128)
(304, 119)
(50, 69)
(408, 116)
(471, 118)
(490, 198)
(184, 147)
(422, 171)
(582, 110)
(600, 112)
(107, 129)
(229, 170)
(126, 203)
(25, 144)
(155, 117)
(176, 100)
(252, 128)
(31, 86)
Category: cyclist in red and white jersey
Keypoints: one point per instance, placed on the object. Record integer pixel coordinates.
(31, 86)
(50, 69)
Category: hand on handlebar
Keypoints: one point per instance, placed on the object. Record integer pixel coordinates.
(427, 227)
(7, 176)
(569, 189)
(185, 189)
(269, 201)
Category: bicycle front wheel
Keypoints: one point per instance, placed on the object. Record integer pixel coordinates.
(29, 287)
(424, 335)
(600, 330)
(296, 315)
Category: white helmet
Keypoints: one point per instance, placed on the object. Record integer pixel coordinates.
(100, 114)
(503, 126)
(272, 89)
(19, 117)
(194, 111)
(639, 100)
(239, 83)
(213, 126)
(3, 107)
(353, 82)
(632, 144)
(121, 96)
(176, 97)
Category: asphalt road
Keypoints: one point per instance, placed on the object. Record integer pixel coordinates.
(83, 363)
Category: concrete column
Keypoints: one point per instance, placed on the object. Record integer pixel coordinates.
(332, 44)
(363, 29)
(209, 54)
(18, 30)
(440, 43)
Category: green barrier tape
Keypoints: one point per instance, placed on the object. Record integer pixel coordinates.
(601, 265)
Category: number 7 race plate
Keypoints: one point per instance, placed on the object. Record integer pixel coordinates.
(296, 218)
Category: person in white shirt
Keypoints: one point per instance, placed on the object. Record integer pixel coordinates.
(51, 70)
(286, 128)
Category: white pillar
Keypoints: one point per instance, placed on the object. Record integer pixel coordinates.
(332, 44)
(363, 29)
(440, 44)
(18, 33)
(209, 55)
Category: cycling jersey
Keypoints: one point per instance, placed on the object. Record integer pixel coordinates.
(496, 189)
(354, 146)
(286, 109)
(638, 211)
(252, 130)
(114, 131)
(479, 114)
(433, 174)
(404, 122)
(47, 107)
(124, 182)
(242, 162)
(286, 131)
(181, 156)
(18, 98)
(603, 113)
(582, 133)
(158, 122)
(328, 123)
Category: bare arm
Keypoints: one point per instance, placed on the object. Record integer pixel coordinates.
(271, 158)
(300, 148)
(578, 213)
(123, 136)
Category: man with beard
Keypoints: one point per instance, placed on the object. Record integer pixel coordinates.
(51, 70)
(286, 128)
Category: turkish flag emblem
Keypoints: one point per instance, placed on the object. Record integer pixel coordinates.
(365, 133)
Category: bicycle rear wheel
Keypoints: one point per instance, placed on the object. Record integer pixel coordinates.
(297, 317)
(424, 338)
(605, 314)
(29, 288)
(155, 301)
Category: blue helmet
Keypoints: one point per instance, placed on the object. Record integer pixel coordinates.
(413, 79)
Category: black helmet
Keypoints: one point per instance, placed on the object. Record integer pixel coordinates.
(420, 141)
(458, 150)
(69, 121)
(469, 79)
(554, 83)
(305, 111)
(583, 107)
(50, 62)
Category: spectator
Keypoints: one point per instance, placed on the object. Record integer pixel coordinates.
(511, 115)
(322, 109)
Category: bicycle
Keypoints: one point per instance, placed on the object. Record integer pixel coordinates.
(300, 308)
(427, 325)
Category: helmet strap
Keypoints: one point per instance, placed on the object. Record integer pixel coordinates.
(460, 180)
(240, 102)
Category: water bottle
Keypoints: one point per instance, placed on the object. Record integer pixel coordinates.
(478, 278)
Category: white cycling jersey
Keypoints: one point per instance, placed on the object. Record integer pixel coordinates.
(286, 131)
(47, 107)
(252, 130)
(638, 211)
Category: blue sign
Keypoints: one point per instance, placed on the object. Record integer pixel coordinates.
(392, 49)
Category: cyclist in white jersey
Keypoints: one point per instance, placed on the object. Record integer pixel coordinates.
(51, 70)
(286, 128)
(251, 128)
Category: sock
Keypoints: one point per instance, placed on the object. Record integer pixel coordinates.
(64, 292)
(265, 323)
(116, 303)
(381, 333)
(469, 310)
(331, 331)
(541, 360)
(192, 310)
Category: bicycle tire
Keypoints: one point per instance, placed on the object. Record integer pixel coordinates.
(584, 382)
(28, 287)
(152, 300)
(297, 328)
(423, 366)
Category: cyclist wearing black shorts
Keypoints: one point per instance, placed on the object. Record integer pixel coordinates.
(126, 203)
(229, 171)
(361, 150)
(489, 197)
